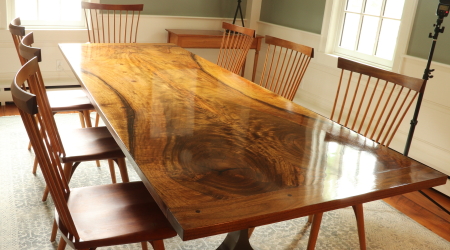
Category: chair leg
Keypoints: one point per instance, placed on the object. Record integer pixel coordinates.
(157, 244)
(87, 118)
(62, 244)
(112, 171)
(358, 209)
(68, 167)
(35, 165)
(83, 123)
(123, 169)
(85, 115)
(97, 119)
(315, 227)
(54, 231)
(45, 195)
(144, 245)
(310, 218)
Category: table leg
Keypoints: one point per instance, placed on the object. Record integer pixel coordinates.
(237, 240)
(317, 220)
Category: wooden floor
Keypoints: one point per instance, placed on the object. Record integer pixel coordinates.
(414, 205)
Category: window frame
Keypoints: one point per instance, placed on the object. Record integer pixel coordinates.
(332, 29)
(10, 14)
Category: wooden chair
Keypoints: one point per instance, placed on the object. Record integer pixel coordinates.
(284, 66)
(112, 23)
(236, 42)
(87, 217)
(60, 100)
(76, 145)
(371, 102)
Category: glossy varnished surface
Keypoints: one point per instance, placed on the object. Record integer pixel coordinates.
(220, 153)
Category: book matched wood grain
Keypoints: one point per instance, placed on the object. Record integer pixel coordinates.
(219, 153)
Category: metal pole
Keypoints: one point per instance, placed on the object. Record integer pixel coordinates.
(239, 8)
(426, 76)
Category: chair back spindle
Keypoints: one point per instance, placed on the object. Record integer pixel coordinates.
(284, 66)
(372, 101)
(236, 42)
(112, 23)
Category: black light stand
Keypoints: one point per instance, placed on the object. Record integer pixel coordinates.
(239, 8)
(442, 11)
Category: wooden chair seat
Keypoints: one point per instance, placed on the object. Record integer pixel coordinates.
(116, 214)
(69, 100)
(89, 144)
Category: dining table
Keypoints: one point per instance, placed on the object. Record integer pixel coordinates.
(220, 154)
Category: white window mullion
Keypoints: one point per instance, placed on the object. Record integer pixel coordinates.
(358, 34)
(370, 32)
(380, 23)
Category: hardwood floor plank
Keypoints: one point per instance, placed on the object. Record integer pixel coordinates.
(420, 214)
(8, 110)
(430, 206)
(439, 197)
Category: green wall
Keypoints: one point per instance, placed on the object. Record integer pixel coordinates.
(419, 43)
(197, 8)
(304, 15)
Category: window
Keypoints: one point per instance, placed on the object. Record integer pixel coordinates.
(48, 13)
(375, 32)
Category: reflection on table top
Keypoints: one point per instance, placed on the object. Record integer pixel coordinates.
(220, 153)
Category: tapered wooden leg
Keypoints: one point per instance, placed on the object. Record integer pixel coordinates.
(123, 169)
(87, 118)
(315, 227)
(83, 123)
(97, 119)
(45, 195)
(85, 114)
(54, 231)
(35, 165)
(112, 171)
(68, 168)
(157, 244)
(358, 209)
(144, 245)
(250, 231)
(310, 218)
(62, 244)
